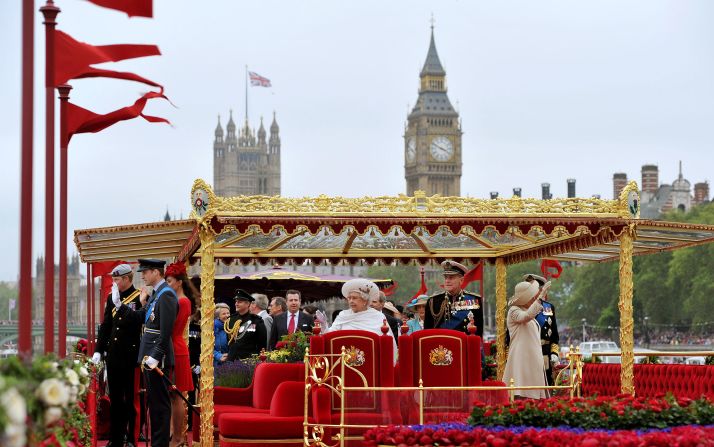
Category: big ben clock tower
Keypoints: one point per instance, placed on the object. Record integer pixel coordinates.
(432, 138)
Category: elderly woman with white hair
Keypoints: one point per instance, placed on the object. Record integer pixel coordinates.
(525, 361)
(220, 351)
(359, 294)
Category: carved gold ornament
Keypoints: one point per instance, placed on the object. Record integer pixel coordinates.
(441, 356)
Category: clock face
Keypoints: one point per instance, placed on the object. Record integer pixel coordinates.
(411, 150)
(442, 149)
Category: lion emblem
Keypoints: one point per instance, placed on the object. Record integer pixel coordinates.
(355, 357)
(441, 356)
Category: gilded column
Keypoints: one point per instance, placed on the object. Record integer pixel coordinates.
(627, 341)
(208, 270)
(500, 317)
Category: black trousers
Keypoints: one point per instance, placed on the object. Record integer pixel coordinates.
(159, 407)
(122, 413)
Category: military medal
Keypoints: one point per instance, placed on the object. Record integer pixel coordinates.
(152, 317)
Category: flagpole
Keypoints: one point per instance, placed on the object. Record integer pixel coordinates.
(49, 11)
(246, 93)
(64, 143)
(25, 281)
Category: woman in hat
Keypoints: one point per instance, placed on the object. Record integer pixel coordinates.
(360, 293)
(187, 294)
(525, 361)
(418, 306)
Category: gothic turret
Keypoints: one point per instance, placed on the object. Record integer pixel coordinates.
(274, 144)
(261, 133)
(231, 127)
(219, 131)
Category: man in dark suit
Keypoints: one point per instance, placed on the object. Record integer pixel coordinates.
(118, 342)
(394, 323)
(290, 321)
(156, 348)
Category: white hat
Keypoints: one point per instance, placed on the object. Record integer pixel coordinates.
(525, 291)
(367, 288)
(390, 307)
(121, 270)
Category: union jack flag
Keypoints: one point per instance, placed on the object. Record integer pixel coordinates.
(258, 80)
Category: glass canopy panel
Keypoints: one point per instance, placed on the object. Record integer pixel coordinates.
(585, 256)
(323, 241)
(259, 240)
(225, 236)
(443, 240)
(394, 240)
(492, 236)
(674, 235)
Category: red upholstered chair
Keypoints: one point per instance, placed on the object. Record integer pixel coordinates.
(257, 397)
(441, 357)
(281, 425)
(373, 356)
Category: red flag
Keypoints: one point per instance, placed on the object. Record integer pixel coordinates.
(389, 291)
(80, 120)
(547, 264)
(104, 269)
(423, 289)
(475, 274)
(132, 8)
(73, 58)
(100, 73)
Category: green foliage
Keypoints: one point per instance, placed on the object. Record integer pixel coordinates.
(8, 293)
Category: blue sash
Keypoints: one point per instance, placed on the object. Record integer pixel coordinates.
(456, 319)
(153, 303)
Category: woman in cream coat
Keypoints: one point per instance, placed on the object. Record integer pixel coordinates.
(525, 361)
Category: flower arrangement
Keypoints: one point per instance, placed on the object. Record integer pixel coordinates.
(602, 412)
(462, 434)
(236, 374)
(290, 348)
(42, 402)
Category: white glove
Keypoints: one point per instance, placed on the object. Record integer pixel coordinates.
(321, 318)
(116, 298)
(554, 359)
(96, 358)
(197, 369)
(151, 362)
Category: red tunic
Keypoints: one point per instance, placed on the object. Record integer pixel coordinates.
(184, 381)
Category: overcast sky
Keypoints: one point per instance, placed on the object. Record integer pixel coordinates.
(546, 90)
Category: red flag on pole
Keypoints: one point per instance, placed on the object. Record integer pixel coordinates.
(423, 289)
(132, 8)
(546, 267)
(475, 274)
(80, 120)
(389, 291)
(73, 58)
(103, 269)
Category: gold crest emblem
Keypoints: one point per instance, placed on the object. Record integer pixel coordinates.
(441, 356)
(355, 357)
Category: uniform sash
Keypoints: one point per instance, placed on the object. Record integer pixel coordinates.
(153, 303)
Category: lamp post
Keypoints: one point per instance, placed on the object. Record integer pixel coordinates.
(647, 333)
(584, 321)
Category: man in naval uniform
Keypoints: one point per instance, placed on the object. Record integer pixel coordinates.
(118, 341)
(245, 330)
(156, 348)
(452, 308)
(549, 338)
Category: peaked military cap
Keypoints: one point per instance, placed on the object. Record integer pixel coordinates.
(121, 270)
(242, 295)
(150, 264)
(453, 268)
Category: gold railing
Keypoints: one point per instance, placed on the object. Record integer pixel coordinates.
(320, 370)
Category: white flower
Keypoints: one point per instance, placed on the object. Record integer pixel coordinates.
(15, 406)
(76, 362)
(72, 377)
(83, 372)
(52, 415)
(54, 366)
(14, 435)
(82, 389)
(72, 394)
(53, 392)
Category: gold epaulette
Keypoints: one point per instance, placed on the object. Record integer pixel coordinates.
(555, 349)
(471, 293)
(127, 300)
(232, 331)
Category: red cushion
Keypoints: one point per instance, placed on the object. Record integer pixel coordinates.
(289, 400)
(267, 378)
(222, 409)
(260, 426)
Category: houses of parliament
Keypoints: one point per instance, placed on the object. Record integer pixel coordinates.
(248, 163)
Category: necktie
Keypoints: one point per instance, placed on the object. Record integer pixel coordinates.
(291, 325)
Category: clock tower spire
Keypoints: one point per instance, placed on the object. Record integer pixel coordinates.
(432, 138)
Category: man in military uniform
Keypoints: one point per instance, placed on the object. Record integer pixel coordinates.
(156, 348)
(118, 341)
(246, 331)
(549, 338)
(454, 307)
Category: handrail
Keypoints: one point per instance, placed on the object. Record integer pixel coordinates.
(657, 354)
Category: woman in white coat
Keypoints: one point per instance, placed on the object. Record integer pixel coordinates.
(525, 360)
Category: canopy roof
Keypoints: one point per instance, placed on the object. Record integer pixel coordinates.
(283, 230)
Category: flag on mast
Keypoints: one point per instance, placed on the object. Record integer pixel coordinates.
(257, 80)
